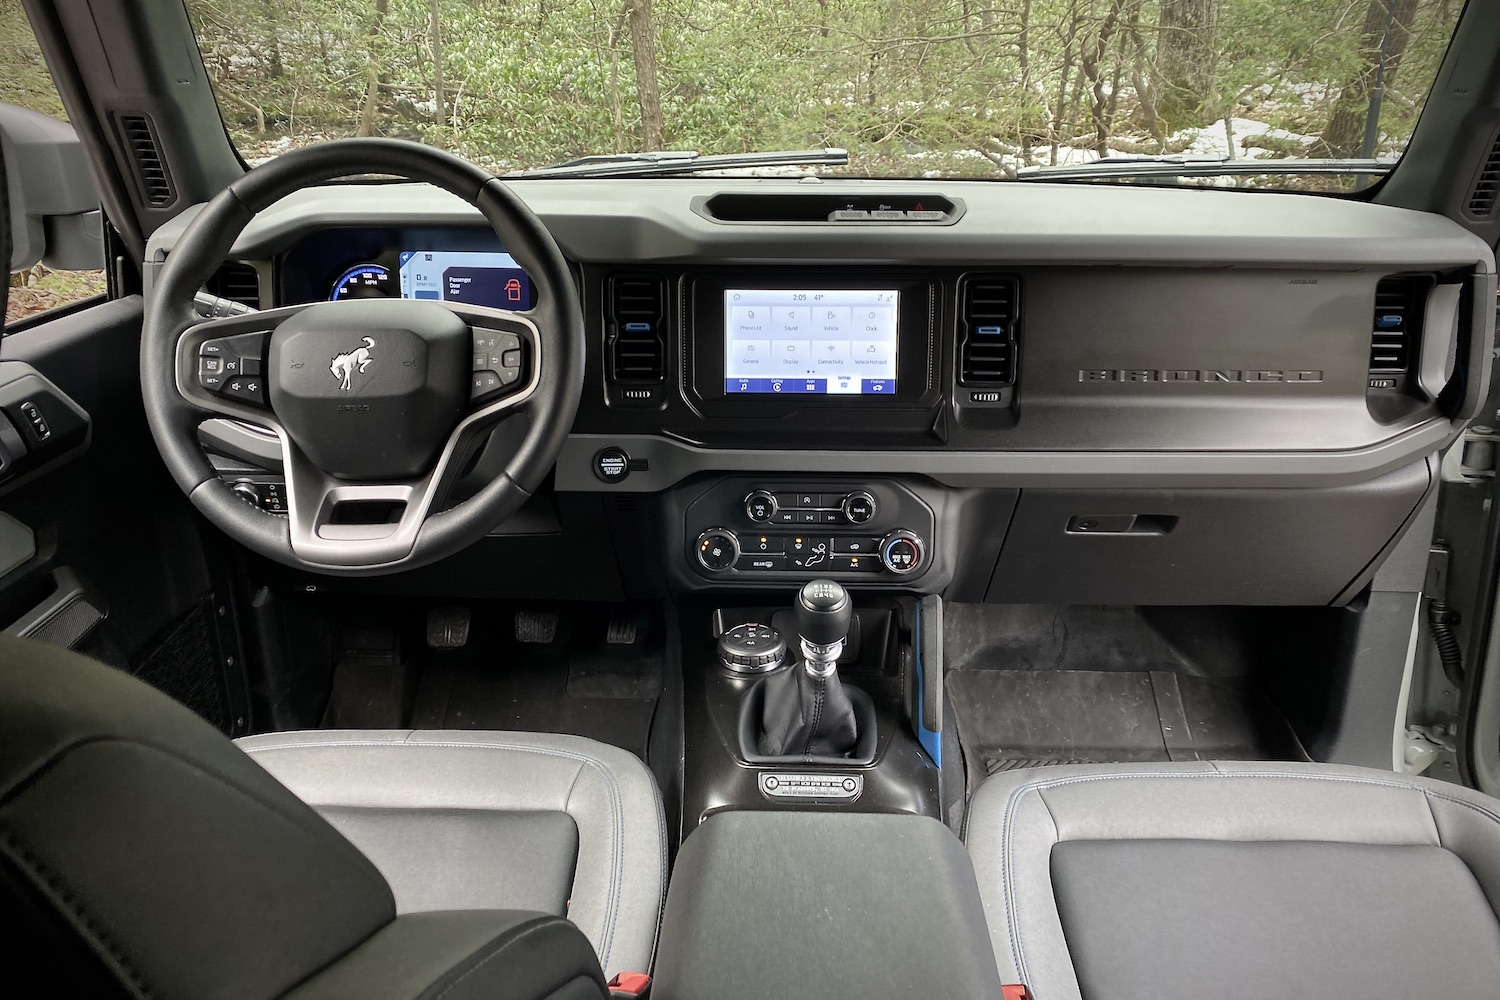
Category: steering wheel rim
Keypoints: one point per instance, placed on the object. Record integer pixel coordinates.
(547, 396)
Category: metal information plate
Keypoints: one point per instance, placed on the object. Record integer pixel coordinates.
(785, 785)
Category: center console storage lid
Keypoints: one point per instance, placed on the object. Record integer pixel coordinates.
(812, 904)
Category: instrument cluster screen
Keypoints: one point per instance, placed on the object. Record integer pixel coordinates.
(818, 341)
(476, 277)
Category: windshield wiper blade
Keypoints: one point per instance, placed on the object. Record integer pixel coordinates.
(1187, 166)
(682, 161)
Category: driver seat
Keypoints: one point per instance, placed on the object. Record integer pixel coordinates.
(144, 854)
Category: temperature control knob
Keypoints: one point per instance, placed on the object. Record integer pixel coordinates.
(718, 549)
(858, 507)
(902, 552)
(760, 506)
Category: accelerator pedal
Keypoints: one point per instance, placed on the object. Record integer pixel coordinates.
(624, 627)
(448, 628)
(536, 625)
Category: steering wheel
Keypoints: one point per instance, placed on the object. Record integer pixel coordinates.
(378, 403)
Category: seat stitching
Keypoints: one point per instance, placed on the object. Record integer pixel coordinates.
(66, 899)
(616, 812)
(1013, 799)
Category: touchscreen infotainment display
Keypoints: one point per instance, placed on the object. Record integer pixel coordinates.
(823, 341)
(477, 277)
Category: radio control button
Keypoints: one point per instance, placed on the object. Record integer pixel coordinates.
(859, 507)
(785, 517)
(760, 506)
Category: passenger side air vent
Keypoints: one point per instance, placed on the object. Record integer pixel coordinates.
(156, 181)
(1397, 327)
(236, 281)
(1486, 185)
(636, 335)
(989, 307)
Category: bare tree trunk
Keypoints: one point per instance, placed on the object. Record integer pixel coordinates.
(1345, 130)
(372, 73)
(1185, 56)
(615, 103)
(439, 98)
(643, 48)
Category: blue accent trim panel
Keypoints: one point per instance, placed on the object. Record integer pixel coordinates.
(931, 742)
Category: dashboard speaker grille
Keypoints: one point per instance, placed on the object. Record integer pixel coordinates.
(636, 329)
(236, 281)
(989, 307)
(1482, 198)
(156, 181)
(1398, 305)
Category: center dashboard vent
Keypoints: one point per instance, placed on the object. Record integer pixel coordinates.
(635, 334)
(1397, 323)
(989, 310)
(156, 181)
(236, 281)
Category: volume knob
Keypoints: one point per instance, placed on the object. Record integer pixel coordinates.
(760, 506)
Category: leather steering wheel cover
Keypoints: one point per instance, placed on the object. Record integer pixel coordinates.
(206, 243)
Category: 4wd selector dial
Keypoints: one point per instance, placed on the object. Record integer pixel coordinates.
(718, 548)
(902, 552)
(858, 507)
(760, 506)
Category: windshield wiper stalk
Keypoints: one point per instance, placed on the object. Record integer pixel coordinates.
(663, 163)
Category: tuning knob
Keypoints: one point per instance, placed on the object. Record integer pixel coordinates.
(718, 548)
(858, 507)
(902, 552)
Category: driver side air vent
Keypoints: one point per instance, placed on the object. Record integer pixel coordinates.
(151, 168)
(1487, 185)
(635, 332)
(989, 306)
(236, 281)
(1397, 327)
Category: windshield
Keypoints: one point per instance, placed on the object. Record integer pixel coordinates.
(911, 88)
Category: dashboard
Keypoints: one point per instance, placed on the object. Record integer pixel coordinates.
(1048, 393)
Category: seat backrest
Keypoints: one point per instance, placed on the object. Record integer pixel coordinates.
(143, 854)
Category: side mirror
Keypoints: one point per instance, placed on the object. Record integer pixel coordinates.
(54, 205)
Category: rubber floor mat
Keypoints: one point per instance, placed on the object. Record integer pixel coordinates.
(1009, 719)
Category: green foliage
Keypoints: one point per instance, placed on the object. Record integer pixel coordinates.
(909, 86)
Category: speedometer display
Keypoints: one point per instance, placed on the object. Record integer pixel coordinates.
(364, 281)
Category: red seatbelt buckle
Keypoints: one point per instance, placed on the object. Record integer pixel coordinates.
(1015, 991)
(634, 986)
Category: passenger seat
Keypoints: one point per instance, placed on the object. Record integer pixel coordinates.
(1237, 881)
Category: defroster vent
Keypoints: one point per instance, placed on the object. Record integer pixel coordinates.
(156, 181)
(989, 307)
(237, 281)
(1487, 185)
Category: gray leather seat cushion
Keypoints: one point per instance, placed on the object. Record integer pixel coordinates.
(484, 820)
(1237, 880)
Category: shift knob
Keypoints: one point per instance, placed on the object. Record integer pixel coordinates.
(823, 612)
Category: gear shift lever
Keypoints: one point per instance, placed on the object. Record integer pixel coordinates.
(823, 612)
(806, 711)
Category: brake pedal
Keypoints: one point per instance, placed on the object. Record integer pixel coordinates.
(536, 626)
(447, 628)
(623, 629)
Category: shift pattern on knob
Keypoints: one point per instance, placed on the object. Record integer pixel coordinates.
(823, 611)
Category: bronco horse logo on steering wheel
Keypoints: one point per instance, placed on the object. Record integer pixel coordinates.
(345, 365)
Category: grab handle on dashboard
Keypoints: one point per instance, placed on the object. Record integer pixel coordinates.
(1469, 384)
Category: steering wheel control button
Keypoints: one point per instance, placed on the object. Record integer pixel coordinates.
(760, 506)
(859, 507)
(232, 366)
(612, 464)
(485, 382)
(752, 649)
(718, 549)
(901, 552)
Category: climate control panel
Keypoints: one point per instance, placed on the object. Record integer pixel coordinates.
(744, 531)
